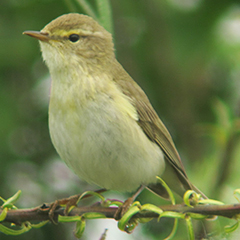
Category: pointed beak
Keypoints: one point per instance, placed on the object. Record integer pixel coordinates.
(42, 36)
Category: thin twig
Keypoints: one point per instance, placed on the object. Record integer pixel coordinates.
(41, 213)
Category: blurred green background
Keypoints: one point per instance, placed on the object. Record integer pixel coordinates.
(185, 54)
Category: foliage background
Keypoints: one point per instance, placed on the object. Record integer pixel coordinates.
(184, 54)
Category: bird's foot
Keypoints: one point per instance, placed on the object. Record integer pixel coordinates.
(127, 204)
(69, 203)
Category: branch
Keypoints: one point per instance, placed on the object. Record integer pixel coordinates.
(41, 213)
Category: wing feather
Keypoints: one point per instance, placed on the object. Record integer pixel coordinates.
(151, 124)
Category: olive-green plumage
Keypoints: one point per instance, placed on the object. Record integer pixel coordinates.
(101, 122)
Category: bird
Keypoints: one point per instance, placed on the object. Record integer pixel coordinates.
(101, 122)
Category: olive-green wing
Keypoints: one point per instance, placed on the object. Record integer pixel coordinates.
(151, 123)
(157, 132)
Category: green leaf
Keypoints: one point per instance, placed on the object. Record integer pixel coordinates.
(93, 194)
(170, 214)
(3, 214)
(170, 193)
(210, 201)
(80, 227)
(93, 215)
(9, 231)
(114, 202)
(174, 230)
(190, 227)
(127, 216)
(39, 225)
(69, 218)
(191, 198)
(229, 229)
(151, 208)
(10, 201)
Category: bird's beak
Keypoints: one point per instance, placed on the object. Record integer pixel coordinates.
(42, 36)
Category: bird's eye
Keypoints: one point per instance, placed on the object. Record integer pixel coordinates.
(74, 37)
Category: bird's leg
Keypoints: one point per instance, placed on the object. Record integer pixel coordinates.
(69, 202)
(125, 206)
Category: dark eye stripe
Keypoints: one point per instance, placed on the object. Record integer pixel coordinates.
(74, 37)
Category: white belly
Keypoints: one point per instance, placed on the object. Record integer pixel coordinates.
(105, 146)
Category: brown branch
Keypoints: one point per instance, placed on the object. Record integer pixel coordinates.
(41, 213)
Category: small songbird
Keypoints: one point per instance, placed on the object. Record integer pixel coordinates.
(101, 122)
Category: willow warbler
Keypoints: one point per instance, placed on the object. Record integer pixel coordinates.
(101, 122)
